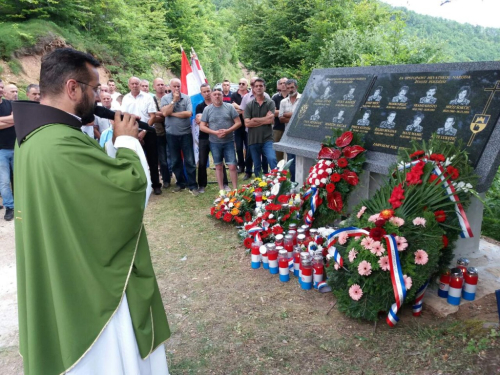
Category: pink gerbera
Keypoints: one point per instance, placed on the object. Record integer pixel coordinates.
(383, 262)
(336, 266)
(421, 257)
(365, 268)
(352, 255)
(374, 218)
(397, 221)
(402, 243)
(361, 212)
(377, 248)
(419, 221)
(343, 238)
(367, 242)
(355, 292)
(408, 282)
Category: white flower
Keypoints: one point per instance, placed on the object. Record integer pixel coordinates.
(463, 186)
(323, 180)
(268, 193)
(314, 175)
(320, 171)
(328, 162)
(329, 170)
(231, 205)
(448, 161)
(297, 198)
(281, 164)
(226, 200)
(316, 182)
(276, 189)
(271, 216)
(259, 214)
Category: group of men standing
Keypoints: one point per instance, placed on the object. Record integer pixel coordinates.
(9, 93)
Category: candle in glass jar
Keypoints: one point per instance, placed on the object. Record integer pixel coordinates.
(283, 265)
(470, 284)
(456, 284)
(272, 254)
(279, 240)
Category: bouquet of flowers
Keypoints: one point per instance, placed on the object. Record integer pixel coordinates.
(403, 235)
(333, 178)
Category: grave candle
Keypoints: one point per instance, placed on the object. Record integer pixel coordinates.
(272, 254)
(456, 284)
(444, 284)
(283, 265)
(470, 284)
(296, 260)
(288, 245)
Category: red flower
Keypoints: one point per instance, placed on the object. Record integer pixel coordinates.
(432, 178)
(335, 177)
(329, 188)
(266, 215)
(227, 217)
(219, 214)
(344, 139)
(248, 216)
(284, 173)
(350, 177)
(440, 216)
(377, 233)
(277, 229)
(452, 172)
(335, 201)
(264, 234)
(417, 154)
(397, 196)
(258, 189)
(342, 162)
(212, 211)
(351, 152)
(238, 219)
(248, 242)
(282, 179)
(272, 221)
(445, 241)
(380, 223)
(437, 157)
(413, 177)
(387, 214)
(249, 226)
(329, 153)
(286, 217)
(283, 198)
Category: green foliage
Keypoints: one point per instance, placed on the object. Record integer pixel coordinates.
(491, 218)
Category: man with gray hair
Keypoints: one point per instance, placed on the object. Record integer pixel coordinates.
(145, 85)
(177, 109)
(33, 92)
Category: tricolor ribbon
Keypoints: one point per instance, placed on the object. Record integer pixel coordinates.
(313, 192)
(255, 232)
(332, 239)
(452, 194)
(397, 279)
(417, 305)
(290, 264)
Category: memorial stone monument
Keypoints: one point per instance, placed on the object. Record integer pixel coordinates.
(393, 105)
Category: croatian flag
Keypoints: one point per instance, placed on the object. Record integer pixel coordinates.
(190, 85)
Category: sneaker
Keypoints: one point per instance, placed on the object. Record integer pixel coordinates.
(177, 189)
(9, 214)
(227, 188)
(157, 190)
(247, 176)
(166, 186)
(201, 190)
(195, 192)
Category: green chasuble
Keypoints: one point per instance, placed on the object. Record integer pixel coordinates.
(80, 245)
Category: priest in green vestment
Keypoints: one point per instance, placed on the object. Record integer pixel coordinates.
(81, 247)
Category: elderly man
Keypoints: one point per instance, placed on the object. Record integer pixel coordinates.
(88, 298)
(142, 105)
(7, 140)
(259, 119)
(104, 123)
(11, 92)
(144, 85)
(33, 92)
(177, 109)
(220, 120)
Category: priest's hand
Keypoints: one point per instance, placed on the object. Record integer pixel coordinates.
(127, 126)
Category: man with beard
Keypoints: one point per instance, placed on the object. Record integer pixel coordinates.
(88, 298)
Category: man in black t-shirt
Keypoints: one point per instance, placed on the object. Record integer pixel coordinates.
(240, 135)
(7, 141)
(203, 142)
(226, 91)
(279, 127)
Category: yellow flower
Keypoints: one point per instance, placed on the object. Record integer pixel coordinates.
(232, 200)
(258, 179)
(262, 184)
(235, 211)
(264, 198)
(237, 204)
(252, 190)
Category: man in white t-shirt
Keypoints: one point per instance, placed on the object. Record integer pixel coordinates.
(114, 94)
(142, 105)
